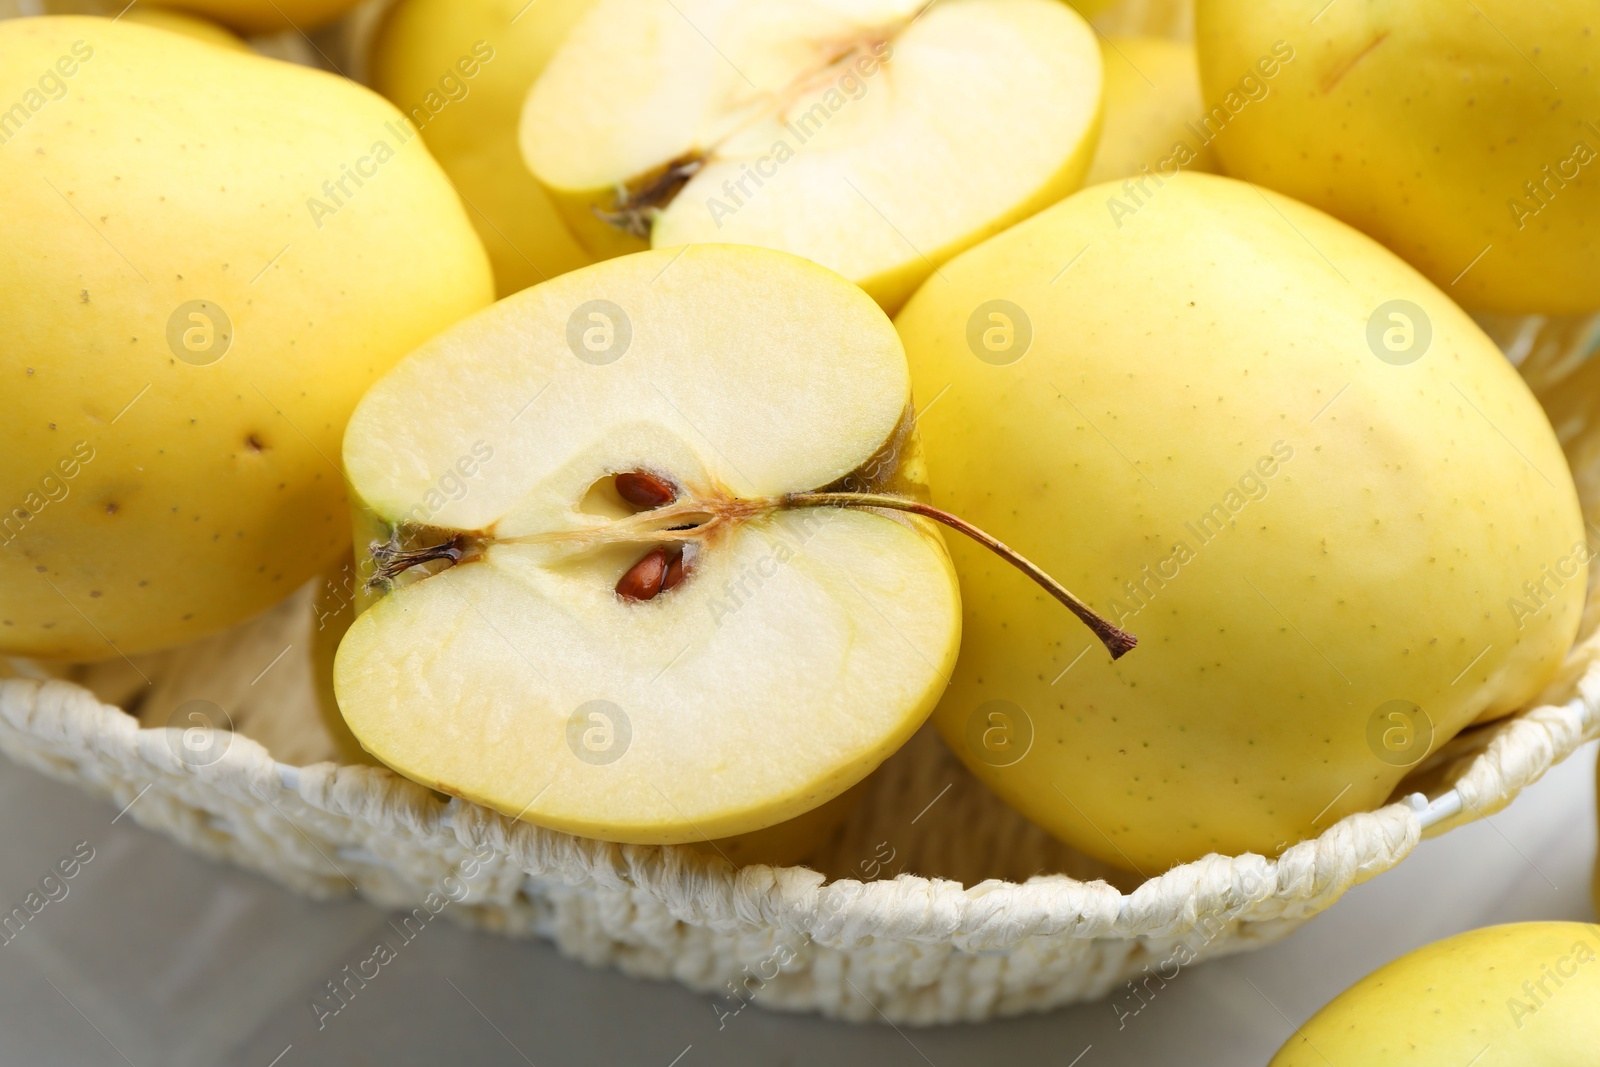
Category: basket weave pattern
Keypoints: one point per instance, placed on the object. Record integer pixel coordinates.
(942, 940)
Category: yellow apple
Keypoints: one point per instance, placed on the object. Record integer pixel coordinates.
(461, 70)
(795, 841)
(1152, 101)
(1463, 136)
(616, 597)
(161, 18)
(334, 607)
(208, 257)
(264, 16)
(1327, 506)
(198, 29)
(1523, 995)
(875, 138)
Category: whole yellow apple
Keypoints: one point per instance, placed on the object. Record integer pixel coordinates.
(1152, 108)
(1330, 510)
(1462, 136)
(264, 16)
(193, 26)
(1523, 995)
(208, 256)
(789, 843)
(461, 70)
(1089, 8)
(190, 26)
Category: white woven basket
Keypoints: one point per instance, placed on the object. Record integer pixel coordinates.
(932, 907)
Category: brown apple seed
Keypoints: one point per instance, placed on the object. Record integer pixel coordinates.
(645, 490)
(674, 571)
(645, 578)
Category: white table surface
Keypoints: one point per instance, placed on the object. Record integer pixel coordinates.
(157, 958)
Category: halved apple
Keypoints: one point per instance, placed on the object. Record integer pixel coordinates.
(607, 601)
(876, 137)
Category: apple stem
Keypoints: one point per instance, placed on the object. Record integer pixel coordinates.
(1117, 641)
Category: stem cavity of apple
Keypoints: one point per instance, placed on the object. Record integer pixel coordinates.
(637, 201)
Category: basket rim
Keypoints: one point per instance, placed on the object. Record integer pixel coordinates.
(1213, 893)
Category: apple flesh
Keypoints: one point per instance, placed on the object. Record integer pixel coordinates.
(877, 139)
(520, 466)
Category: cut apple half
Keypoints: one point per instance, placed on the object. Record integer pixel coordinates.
(651, 552)
(876, 137)
(518, 474)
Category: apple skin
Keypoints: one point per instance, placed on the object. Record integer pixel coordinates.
(1152, 89)
(264, 16)
(1503, 996)
(792, 842)
(1375, 522)
(190, 26)
(216, 492)
(338, 597)
(1419, 124)
(474, 137)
